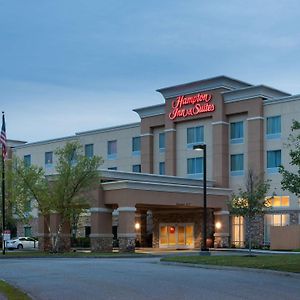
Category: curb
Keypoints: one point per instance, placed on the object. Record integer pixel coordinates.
(215, 267)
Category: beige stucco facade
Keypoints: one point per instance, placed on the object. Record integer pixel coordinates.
(170, 182)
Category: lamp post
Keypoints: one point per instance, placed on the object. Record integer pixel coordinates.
(204, 224)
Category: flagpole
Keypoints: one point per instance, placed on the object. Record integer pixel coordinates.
(3, 196)
(3, 203)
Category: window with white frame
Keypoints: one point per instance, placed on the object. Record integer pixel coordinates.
(238, 231)
(48, 158)
(136, 145)
(136, 168)
(112, 149)
(195, 135)
(274, 220)
(89, 150)
(161, 142)
(237, 164)
(237, 132)
(195, 166)
(162, 170)
(27, 160)
(273, 127)
(280, 201)
(273, 160)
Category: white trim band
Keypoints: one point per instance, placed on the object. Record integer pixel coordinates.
(146, 134)
(220, 123)
(221, 234)
(170, 130)
(101, 209)
(127, 235)
(101, 235)
(255, 118)
(127, 209)
(221, 213)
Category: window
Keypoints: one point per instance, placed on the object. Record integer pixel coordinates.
(136, 145)
(195, 135)
(161, 142)
(274, 220)
(237, 164)
(238, 236)
(112, 149)
(162, 170)
(136, 168)
(48, 158)
(195, 166)
(27, 160)
(274, 127)
(87, 231)
(279, 201)
(89, 150)
(237, 132)
(273, 160)
(112, 168)
(27, 231)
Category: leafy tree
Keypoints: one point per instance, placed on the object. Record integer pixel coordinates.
(291, 181)
(63, 192)
(250, 202)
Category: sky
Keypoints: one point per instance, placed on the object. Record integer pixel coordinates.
(68, 66)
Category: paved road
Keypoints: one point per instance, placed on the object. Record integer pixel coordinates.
(140, 278)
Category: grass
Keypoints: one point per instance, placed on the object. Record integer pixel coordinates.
(11, 292)
(286, 263)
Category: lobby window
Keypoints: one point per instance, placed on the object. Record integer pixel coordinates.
(136, 146)
(237, 132)
(48, 158)
(274, 127)
(136, 168)
(195, 135)
(273, 161)
(162, 170)
(89, 150)
(280, 201)
(27, 160)
(195, 167)
(112, 149)
(161, 142)
(237, 164)
(112, 168)
(27, 231)
(274, 220)
(238, 235)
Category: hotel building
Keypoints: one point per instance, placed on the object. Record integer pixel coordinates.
(152, 177)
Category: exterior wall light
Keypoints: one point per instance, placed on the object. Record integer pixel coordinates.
(218, 225)
(137, 226)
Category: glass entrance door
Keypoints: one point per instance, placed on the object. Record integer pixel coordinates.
(179, 236)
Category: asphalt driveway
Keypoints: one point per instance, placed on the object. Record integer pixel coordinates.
(140, 278)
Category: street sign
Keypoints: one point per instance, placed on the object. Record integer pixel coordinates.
(6, 235)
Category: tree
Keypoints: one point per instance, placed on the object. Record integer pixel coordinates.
(250, 202)
(62, 192)
(291, 181)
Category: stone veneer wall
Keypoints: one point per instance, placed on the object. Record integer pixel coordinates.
(194, 217)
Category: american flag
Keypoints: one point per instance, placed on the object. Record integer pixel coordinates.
(3, 137)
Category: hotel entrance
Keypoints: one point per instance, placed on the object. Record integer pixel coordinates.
(178, 236)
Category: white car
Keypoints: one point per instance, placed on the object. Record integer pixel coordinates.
(22, 243)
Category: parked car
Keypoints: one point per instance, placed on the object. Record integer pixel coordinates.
(22, 243)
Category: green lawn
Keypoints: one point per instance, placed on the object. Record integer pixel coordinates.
(287, 263)
(11, 292)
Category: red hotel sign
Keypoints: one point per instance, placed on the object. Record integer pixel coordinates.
(197, 104)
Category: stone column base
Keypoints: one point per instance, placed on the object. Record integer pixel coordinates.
(101, 243)
(221, 240)
(126, 244)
